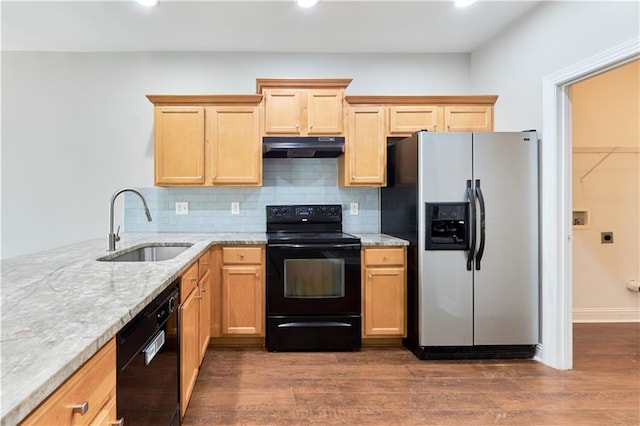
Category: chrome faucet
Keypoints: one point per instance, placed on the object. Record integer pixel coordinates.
(116, 237)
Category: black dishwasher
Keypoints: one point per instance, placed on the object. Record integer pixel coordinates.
(148, 364)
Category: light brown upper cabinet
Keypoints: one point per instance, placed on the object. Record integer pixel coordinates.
(407, 119)
(447, 113)
(207, 140)
(236, 145)
(364, 161)
(179, 145)
(303, 107)
(476, 118)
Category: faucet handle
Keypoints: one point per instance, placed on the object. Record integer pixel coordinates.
(118, 233)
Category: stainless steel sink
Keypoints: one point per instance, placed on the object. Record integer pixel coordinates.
(154, 252)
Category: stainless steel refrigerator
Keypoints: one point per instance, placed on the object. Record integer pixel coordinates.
(468, 204)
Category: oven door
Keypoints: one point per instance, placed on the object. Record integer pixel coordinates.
(313, 279)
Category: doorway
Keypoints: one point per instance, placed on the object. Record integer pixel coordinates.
(556, 210)
(605, 137)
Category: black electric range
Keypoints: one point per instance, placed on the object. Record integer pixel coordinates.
(313, 280)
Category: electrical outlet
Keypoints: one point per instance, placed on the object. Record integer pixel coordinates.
(235, 207)
(354, 209)
(182, 208)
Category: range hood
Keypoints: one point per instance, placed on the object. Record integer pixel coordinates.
(302, 146)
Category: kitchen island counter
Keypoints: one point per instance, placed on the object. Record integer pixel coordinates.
(60, 306)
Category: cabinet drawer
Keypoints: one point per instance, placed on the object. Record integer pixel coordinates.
(107, 415)
(188, 281)
(94, 385)
(204, 263)
(241, 255)
(384, 256)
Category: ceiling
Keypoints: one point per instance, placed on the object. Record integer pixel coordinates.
(255, 26)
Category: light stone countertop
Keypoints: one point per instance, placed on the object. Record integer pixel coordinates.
(379, 240)
(60, 306)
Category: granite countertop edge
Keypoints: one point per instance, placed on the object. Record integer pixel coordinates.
(61, 286)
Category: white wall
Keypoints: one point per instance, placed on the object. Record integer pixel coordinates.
(553, 36)
(76, 127)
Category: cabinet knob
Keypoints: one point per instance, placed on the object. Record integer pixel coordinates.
(119, 422)
(257, 275)
(241, 256)
(369, 276)
(80, 408)
(435, 127)
(385, 258)
(311, 127)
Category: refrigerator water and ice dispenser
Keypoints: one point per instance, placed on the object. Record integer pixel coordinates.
(447, 226)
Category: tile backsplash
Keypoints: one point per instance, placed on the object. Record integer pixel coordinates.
(285, 181)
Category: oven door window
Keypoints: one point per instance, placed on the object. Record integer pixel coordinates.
(314, 278)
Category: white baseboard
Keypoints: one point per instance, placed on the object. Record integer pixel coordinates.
(606, 315)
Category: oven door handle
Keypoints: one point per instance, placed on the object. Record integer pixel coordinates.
(316, 246)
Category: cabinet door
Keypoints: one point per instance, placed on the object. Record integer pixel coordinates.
(189, 349)
(204, 314)
(92, 385)
(179, 145)
(325, 112)
(283, 112)
(405, 120)
(236, 145)
(365, 158)
(468, 118)
(384, 302)
(242, 300)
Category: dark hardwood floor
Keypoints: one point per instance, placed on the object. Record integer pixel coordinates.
(389, 386)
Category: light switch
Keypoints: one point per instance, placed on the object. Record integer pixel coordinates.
(235, 207)
(354, 209)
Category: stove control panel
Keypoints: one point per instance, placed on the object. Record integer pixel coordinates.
(306, 212)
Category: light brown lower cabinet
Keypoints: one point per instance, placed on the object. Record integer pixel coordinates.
(384, 292)
(242, 297)
(204, 314)
(88, 397)
(194, 319)
(189, 349)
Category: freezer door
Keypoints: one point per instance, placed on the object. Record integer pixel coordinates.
(445, 284)
(505, 168)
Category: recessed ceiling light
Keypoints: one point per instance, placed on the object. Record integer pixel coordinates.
(464, 3)
(148, 3)
(307, 3)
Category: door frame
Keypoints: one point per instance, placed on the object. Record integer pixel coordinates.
(556, 349)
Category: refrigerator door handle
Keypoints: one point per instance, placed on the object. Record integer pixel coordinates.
(472, 228)
(482, 224)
